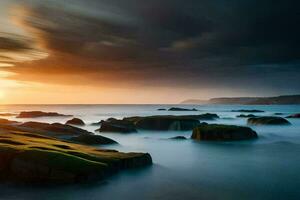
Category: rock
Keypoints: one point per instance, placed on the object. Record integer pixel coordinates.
(96, 123)
(75, 121)
(119, 126)
(7, 114)
(92, 139)
(278, 113)
(32, 158)
(268, 121)
(7, 122)
(219, 132)
(55, 129)
(206, 116)
(35, 114)
(161, 109)
(246, 116)
(178, 138)
(66, 132)
(164, 122)
(248, 111)
(294, 116)
(181, 109)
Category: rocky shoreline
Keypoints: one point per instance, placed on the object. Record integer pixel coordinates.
(34, 154)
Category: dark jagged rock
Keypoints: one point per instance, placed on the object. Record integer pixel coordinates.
(268, 121)
(178, 138)
(92, 139)
(114, 125)
(219, 132)
(294, 116)
(248, 111)
(35, 114)
(182, 109)
(164, 122)
(246, 116)
(32, 158)
(75, 121)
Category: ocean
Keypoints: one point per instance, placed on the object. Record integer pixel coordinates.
(266, 168)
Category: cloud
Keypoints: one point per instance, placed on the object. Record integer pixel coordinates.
(7, 43)
(174, 42)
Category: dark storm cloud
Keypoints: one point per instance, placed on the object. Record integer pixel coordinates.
(13, 43)
(189, 42)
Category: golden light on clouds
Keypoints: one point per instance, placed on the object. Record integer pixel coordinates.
(6, 65)
(1, 94)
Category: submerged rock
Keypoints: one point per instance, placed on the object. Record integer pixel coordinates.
(294, 116)
(114, 125)
(33, 158)
(75, 121)
(164, 122)
(268, 121)
(182, 109)
(35, 114)
(278, 113)
(246, 116)
(216, 132)
(178, 138)
(249, 111)
(161, 109)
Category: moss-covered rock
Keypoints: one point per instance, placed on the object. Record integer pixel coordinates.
(268, 120)
(75, 121)
(219, 132)
(33, 158)
(55, 129)
(62, 131)
(35, 114)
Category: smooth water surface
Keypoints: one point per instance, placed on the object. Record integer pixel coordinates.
(267, 168)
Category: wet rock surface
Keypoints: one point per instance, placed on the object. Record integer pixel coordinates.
(219, 132)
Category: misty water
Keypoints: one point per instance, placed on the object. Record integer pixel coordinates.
(266, 168)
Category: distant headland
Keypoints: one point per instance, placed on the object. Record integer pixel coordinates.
(279, 100)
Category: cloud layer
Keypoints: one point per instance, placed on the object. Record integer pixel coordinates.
(196, 43)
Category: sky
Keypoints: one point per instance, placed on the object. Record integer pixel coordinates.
(133, 51)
